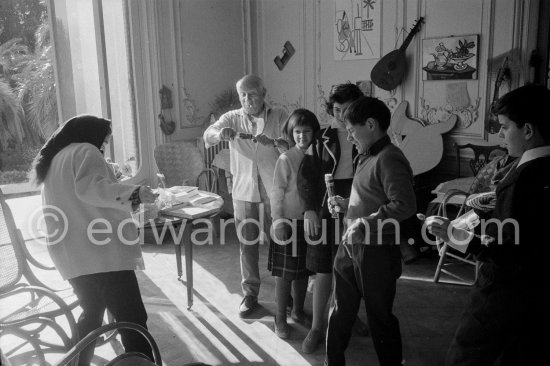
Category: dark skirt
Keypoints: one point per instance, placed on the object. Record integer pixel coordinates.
(289, 261)
(320, 257)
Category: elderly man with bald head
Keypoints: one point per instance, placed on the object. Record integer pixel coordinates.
(252, 166)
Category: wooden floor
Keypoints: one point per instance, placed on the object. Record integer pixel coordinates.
(213, 333)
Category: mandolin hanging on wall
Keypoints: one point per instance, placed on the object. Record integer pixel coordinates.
(491, 121)
(390, 69)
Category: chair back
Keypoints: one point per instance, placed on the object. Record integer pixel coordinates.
(180, 162)
(11, 266)
(208, 180)
(482, 155)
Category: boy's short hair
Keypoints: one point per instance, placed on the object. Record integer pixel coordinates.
(300, 117)
(342, 93)
(368, 107)
(527, 104)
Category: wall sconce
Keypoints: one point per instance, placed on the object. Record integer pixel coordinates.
(288, 51)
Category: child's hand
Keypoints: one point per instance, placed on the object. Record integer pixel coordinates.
(438, 226)
(311, 223)
(337, 204)
(281, 144)
(355, 233)
(227, 134)
(279, 231)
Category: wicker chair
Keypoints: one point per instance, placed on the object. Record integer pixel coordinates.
(180, 162)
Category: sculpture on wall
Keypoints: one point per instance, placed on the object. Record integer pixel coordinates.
(422, 144)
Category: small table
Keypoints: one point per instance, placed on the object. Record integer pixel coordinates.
(187, 215)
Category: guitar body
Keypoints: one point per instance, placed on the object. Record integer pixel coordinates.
(421, 145)
(389, 71)
(401, 125)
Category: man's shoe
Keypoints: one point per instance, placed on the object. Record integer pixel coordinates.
(248, 305)
(312, 340)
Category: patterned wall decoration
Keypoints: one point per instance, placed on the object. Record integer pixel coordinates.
(190, 112)
(435, 114)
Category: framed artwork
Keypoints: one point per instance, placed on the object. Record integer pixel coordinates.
(450, 58)
(357, 29)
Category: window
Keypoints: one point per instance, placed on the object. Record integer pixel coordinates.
(94, 70)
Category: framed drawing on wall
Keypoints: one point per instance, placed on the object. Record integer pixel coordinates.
(450, 58)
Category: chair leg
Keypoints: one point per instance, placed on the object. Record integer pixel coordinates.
(442, 255)
(216, 226)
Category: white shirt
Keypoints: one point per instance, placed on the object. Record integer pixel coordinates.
(249, 159)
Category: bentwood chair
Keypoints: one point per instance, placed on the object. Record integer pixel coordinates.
(28, 306)
(124, 359)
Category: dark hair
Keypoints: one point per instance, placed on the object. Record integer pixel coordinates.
(83, 128)
(527, 104)
(300, 117)
(342, 93)
(368, 107)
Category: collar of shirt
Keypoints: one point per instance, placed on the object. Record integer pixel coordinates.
(374, 149)
(250, 119)
(532, 154)
(378, 145)
(337, 125)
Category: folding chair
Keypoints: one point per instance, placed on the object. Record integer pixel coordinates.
(443, 248)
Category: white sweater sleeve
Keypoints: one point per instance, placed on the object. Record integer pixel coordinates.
(95, 184)
(281, 176)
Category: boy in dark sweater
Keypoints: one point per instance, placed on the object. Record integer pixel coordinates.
(508, 310)
(368, 261)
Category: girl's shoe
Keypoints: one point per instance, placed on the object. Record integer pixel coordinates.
(312, 340)
(282, 331)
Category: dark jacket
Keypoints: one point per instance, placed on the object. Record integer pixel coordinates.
(524, 196)
(322, 158)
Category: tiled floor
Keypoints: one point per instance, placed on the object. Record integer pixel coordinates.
(212, 331)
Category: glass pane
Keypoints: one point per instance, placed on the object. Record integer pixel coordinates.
(28, 103)
(120, 78)
(95, 71)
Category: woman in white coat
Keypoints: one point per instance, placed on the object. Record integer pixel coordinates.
(93, 242)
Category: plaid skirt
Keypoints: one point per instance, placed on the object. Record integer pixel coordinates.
(289, 261)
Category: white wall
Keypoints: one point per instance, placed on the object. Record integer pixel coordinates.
(201, 55)
(308, 25)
